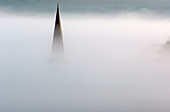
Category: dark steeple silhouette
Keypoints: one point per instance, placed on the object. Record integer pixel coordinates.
(57, 47)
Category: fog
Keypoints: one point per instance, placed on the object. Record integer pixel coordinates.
(111, 64)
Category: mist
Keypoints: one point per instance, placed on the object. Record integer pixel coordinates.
(111, 64)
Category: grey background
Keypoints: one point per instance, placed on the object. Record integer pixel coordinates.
(161, 7)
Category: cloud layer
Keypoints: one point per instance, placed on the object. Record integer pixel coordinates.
(85, 6)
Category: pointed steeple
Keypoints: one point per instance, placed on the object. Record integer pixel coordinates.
(57, 47)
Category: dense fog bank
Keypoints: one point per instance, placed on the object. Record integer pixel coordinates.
(111, 63)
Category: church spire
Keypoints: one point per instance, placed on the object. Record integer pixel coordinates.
(57, 47)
